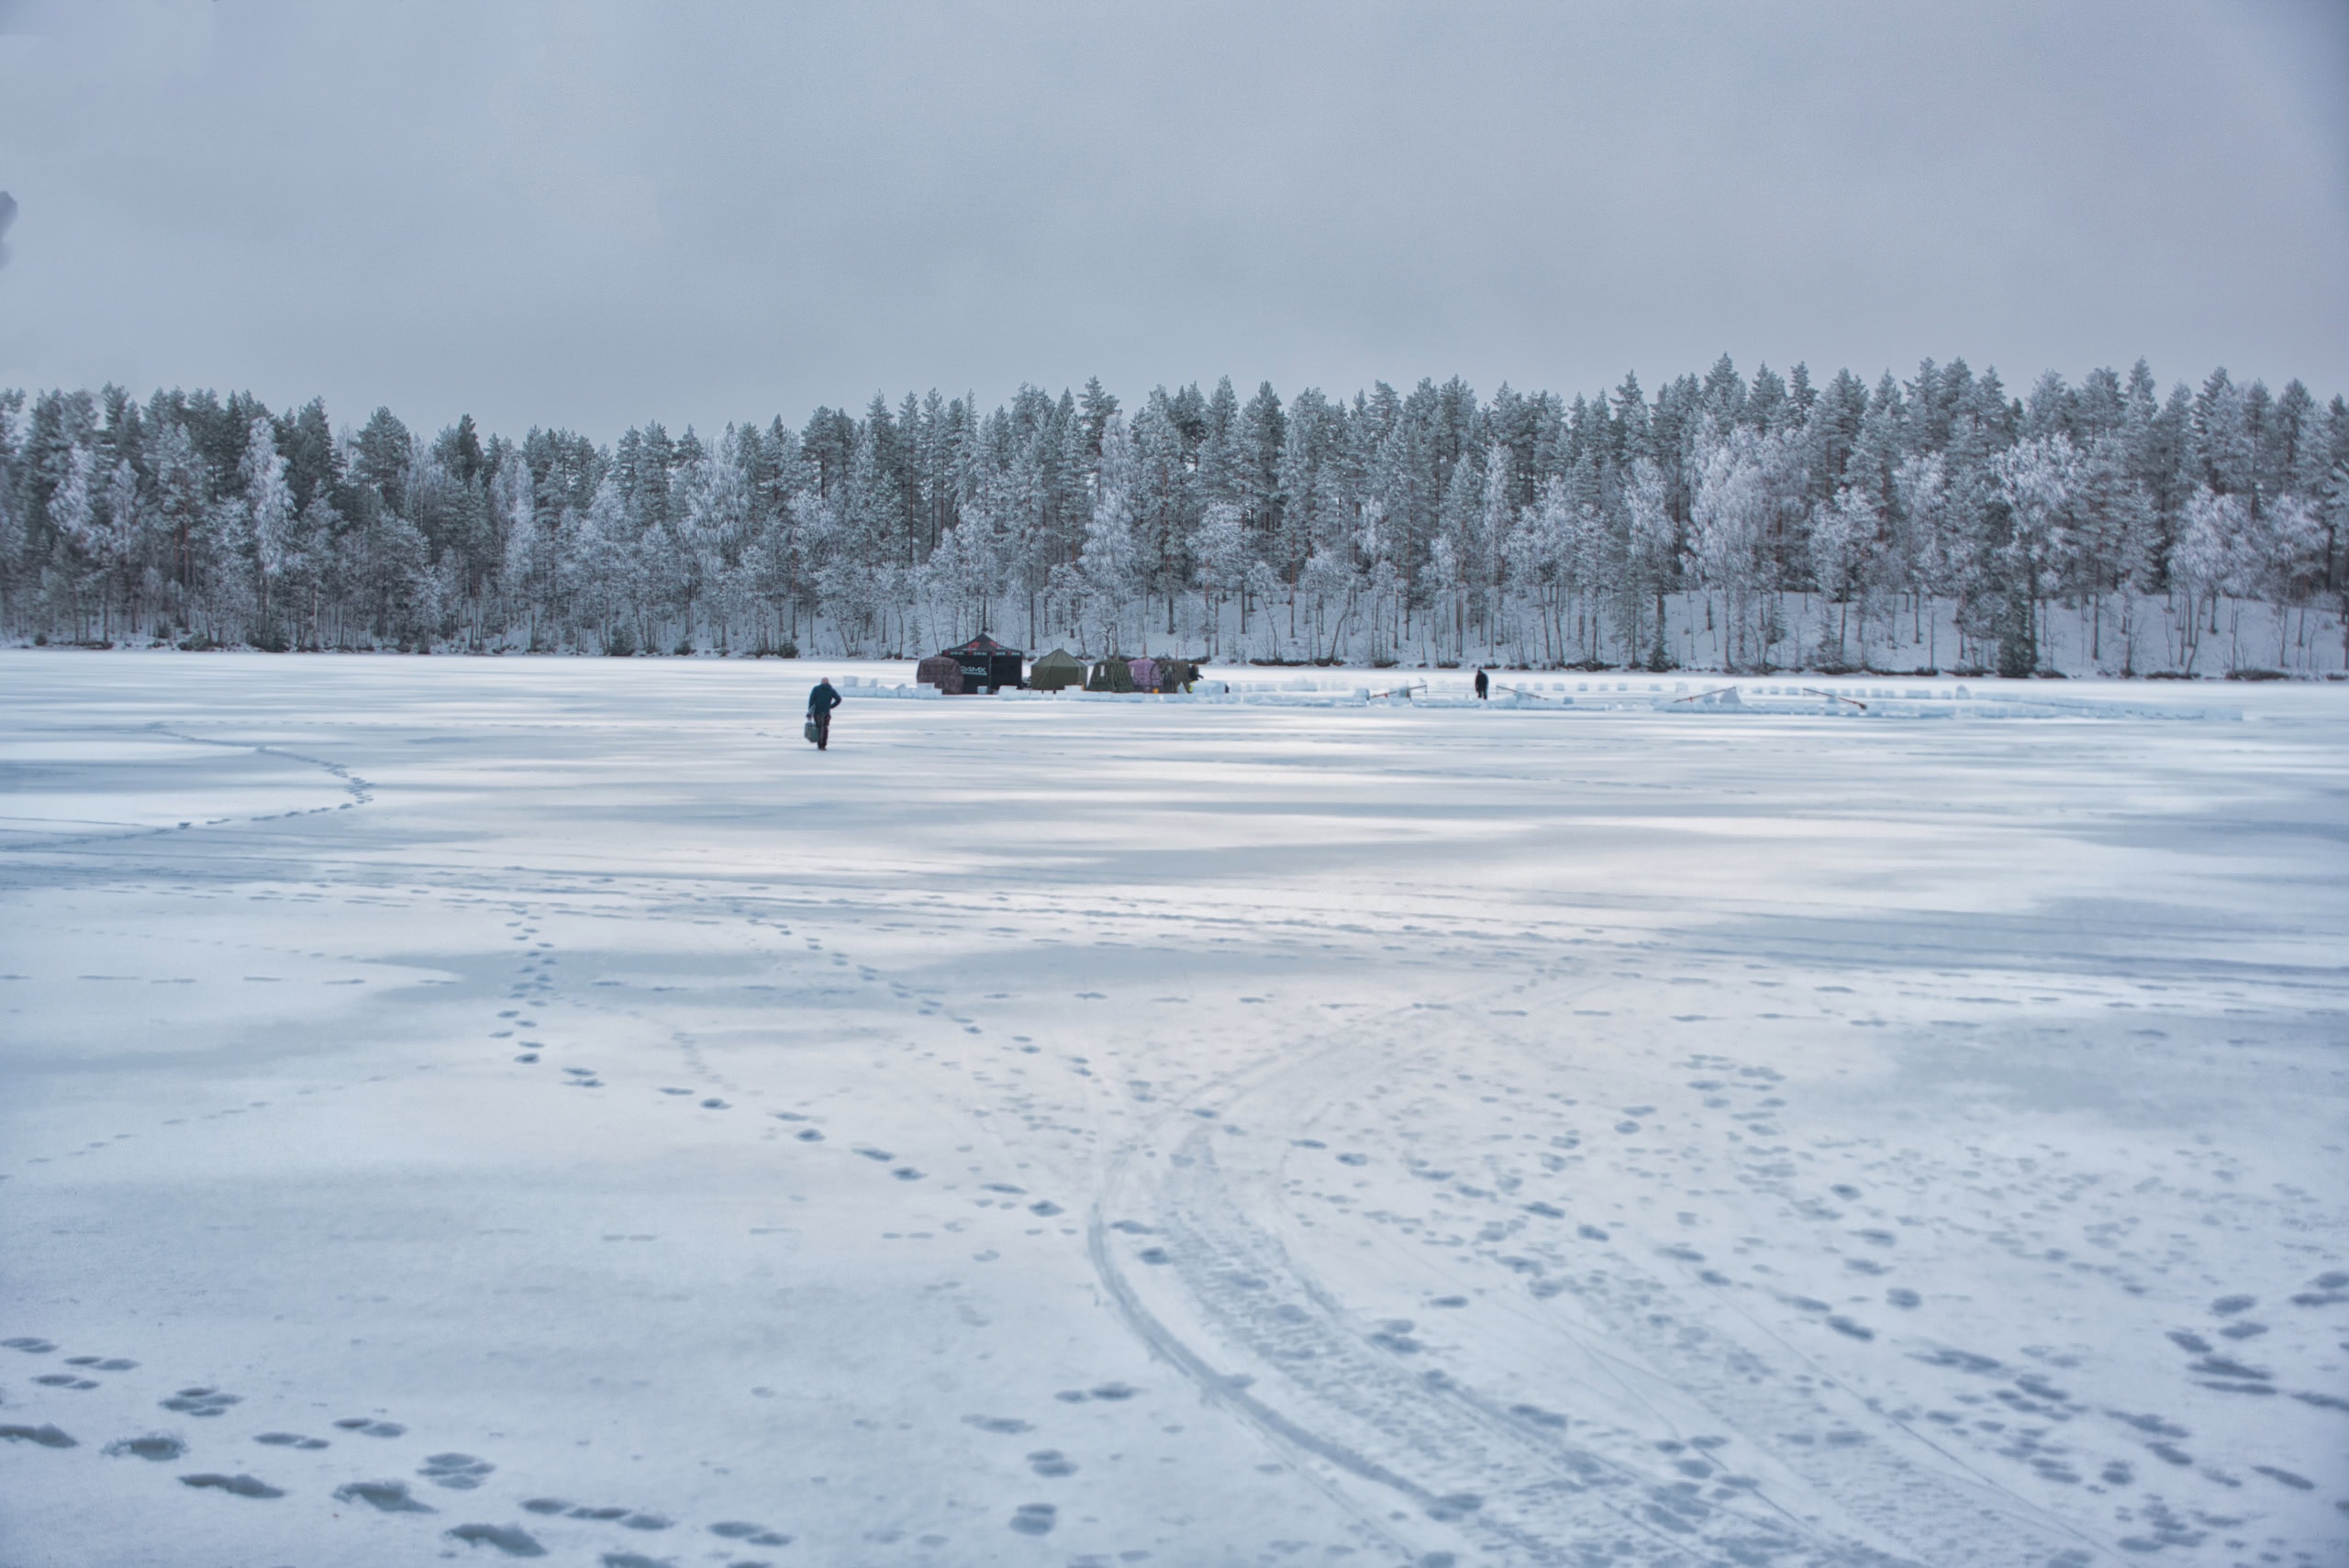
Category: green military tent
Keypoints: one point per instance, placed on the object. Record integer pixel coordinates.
(1055, 670)
(1111, 674)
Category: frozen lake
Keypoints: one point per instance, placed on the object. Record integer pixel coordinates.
(488, 1108)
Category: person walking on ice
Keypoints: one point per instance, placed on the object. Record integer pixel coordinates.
(1483, 684)
(820, 703)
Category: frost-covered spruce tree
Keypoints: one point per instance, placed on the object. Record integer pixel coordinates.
(2036, 480)
(1111, 563)
(72, 514)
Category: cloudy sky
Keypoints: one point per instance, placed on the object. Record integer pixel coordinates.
(592, 215)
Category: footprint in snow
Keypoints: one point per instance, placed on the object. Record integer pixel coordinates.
(2286, 1477)
(757, 1535)
(1035, 1518)
(384, 1496)
(511, 1539)
(154, 1449)
(457, 1471)
(628, 1518)
(43, 1436)
(201, 1403)
(235, 1485)
(1111, 1391)
(368, 1426)
(1006, 1425)
(290, 1439)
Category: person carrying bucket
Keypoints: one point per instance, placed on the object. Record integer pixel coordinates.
(820, 703)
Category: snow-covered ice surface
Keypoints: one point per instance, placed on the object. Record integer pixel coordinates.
(488, 1108)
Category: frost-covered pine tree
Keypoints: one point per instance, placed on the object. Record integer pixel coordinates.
(2036, 478)
(2205, 561)
(1220, 549)
(1110, 562)
(1842, 533)
(269, 509)
(119, 546)
(1652, 543)
(73, 513)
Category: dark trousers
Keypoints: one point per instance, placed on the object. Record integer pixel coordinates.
(823, 729)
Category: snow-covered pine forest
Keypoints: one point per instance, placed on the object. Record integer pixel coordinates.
(1722, 523)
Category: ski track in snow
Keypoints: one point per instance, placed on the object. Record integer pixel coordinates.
(536, 1109)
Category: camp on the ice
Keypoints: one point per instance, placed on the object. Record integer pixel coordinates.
(981, 664)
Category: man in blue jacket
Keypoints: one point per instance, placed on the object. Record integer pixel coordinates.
(820, 703)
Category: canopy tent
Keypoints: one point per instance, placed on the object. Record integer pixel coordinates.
(1056, 670)
(987, 664)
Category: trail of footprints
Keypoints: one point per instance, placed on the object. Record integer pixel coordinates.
(462, 1472)
(2000, 1419)
(451, 1472)
(458, 1472)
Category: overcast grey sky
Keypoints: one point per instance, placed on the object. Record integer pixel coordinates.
(592, 215)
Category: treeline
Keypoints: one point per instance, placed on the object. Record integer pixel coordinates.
(1749, 523)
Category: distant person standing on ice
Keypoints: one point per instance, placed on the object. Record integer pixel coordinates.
(1484, 686)
(820, 703)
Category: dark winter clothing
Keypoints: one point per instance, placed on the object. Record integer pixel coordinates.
(820, 703)
(1483, 685)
